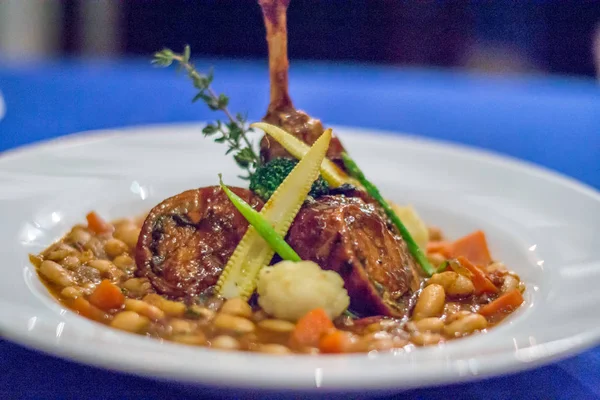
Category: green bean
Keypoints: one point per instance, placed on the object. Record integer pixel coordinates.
(413, 247)
(277, 243)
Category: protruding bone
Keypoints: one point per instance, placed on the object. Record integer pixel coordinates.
(274, 13)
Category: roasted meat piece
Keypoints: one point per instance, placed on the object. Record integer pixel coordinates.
(349, 236)
(187, 239)
(281, 110)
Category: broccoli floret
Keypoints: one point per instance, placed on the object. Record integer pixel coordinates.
(267, 178)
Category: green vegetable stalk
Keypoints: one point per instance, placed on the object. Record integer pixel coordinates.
(277, 243)
(413, 247)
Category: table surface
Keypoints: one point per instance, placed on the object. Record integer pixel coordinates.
(551, 121)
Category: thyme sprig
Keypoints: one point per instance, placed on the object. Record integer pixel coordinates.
(234, 131)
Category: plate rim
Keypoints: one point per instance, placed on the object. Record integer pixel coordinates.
(474, 151)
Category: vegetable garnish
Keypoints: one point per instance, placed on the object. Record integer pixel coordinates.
(233, 132)
(288, 290)
(442, 267)
(504, 304)
(239, 276)
(107, 296)
(268, 177)
(413, 247)
(264, 228)
(311, 327)
(297, 148)
(481, 282)
(96, 224)
(336, 342)
(85, 308)
(473, 247)
(350, 314)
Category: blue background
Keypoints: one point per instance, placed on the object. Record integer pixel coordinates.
(551, 121)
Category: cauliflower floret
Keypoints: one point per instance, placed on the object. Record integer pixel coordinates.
(288, 290)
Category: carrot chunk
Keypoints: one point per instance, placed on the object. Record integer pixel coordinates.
(311, 327)
(107, 296)
(442, 247)
(84, 308)
(480, 281)
(474, 247)
(504, 304)
(97, 224)
(336, 342)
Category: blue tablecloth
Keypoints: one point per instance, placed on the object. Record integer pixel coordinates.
(554, 122)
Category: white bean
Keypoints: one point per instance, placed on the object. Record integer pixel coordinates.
(71, 262)
(233, 323)
(454, 284)
(225, 342)
(426, 339)
(430, 302)
(62, 251)
(138, 286)
(71, 292)
(462, 286)
(200, 312)
(431, 324)
(179, 326)
(277, 325)
(466, 325)
(55, 273)
(130, 321)
(171, 308)
(124, 262)
(104, 266)
(272, 348)
(129, 234)
(79, 235)
(115, 247)
(237, 306)
(143, 308)
(194, 340)
(510, 283)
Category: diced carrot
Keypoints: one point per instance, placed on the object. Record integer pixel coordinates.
(107, 296)
(97, 224)
(336, 342)
(311, 327)
(474, 247)
(84, 308)
(504, 304)
(481, 282)
(442, 247)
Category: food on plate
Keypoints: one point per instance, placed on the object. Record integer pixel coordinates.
(281, 111)
(348, 236)
(310, 258)
(187, 239)
(290, 290)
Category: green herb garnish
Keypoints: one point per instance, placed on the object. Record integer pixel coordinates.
(234, 131)
(442, 267)
(264, 228)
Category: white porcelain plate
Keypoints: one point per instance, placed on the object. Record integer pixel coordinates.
(542, 225)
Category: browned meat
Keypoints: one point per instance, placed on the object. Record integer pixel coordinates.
(187, 239)
(346, 235)
(304, 128)
(281, 111)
